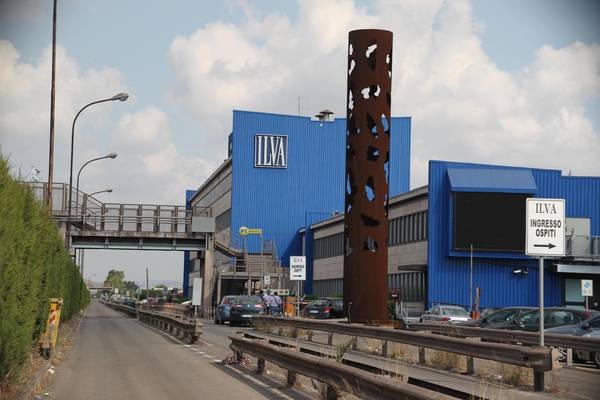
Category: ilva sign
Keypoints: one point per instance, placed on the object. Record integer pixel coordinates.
(545, 227)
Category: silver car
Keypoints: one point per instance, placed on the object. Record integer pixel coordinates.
(446, 313)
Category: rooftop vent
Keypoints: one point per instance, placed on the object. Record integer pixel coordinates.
(324, 115)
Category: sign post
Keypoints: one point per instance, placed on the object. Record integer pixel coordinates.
(545, 236)
(298, 273)
(197, 294)
(587, 290)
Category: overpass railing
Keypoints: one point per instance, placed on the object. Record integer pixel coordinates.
(90, 214)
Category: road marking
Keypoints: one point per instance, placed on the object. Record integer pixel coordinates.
(217, 360)
(261, 384)
(206, 343)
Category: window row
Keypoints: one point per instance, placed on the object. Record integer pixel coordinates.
(406, 229)
(410, 286)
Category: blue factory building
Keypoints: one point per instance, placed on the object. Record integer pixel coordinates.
(282, 173)
(495, 224)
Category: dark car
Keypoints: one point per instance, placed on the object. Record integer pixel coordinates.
(503, 316)
(222, 313)
(243, 308)
(592, 356)
(588, 328)
(325, 307)
(553, 316)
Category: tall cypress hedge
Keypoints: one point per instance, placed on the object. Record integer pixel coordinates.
(34, 266)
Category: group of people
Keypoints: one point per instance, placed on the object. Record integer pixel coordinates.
(272, 302)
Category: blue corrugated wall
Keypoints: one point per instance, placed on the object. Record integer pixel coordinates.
(448, 277)
(186, 253)
(281, 201)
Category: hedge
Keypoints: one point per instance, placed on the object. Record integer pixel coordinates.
(34, 266)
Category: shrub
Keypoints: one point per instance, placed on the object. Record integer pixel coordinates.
(34, 266)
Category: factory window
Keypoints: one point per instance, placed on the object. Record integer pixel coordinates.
(223, 221)
(407, 229)
(329, 246)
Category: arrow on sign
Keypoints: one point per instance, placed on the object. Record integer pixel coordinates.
(549, 245)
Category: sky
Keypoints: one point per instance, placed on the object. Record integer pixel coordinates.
(507, 82)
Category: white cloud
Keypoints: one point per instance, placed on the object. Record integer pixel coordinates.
(463, 106)
(148, 169)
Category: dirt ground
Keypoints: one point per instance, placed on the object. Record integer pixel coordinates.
(37, 372)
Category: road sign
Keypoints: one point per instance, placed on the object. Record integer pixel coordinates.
(197, 292)
(545, 227)
(587, 287)
(267, 280)
(245, 231)
(297, 268)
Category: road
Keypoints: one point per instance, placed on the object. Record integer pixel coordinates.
(115, 357)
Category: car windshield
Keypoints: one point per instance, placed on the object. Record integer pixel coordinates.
(460, 312)
(502, 316)
(319, 303)
(248, 300)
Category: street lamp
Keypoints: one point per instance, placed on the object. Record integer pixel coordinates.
(110, 155)
(101, 191)
(120, 97)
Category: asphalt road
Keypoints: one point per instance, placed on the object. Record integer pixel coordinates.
(117, 357)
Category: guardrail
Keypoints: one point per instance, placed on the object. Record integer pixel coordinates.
(539, 359)
(188, 329)
(337, 376)
(501, 335)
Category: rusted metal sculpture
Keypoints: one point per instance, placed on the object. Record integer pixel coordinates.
(367, 169)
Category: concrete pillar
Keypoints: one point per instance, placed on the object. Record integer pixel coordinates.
(209, 275)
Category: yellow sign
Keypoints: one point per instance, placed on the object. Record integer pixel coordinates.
(244, 231)
(49, 337)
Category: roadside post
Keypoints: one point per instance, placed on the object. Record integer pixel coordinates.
(544, 236)
(298, 273)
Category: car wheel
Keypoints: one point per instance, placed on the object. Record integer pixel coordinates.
(216, 320)
(596, 358)
(222, 321)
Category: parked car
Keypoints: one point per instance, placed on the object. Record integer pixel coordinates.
(324, 307)
(553, 316)
(505, 315)
(222, 312)
(446, 313)
(243, 308)
(592, 356)
(587, 328)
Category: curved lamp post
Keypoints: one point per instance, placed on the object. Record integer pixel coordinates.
(100, 191)
(120, 97)
(110, 155)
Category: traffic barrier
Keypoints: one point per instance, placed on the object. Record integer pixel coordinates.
(337, 376)
(188, 329)
(539, 359)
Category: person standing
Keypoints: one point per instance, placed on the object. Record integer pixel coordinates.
(278, 303)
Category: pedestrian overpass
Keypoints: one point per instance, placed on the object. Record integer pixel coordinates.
(116, 226)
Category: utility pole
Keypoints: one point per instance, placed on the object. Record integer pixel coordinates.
(147, 292)
(52, 96)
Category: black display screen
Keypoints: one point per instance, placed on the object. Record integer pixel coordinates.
(489, 221)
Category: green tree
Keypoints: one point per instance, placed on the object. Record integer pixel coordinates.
(115, 279)
(130, 285)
